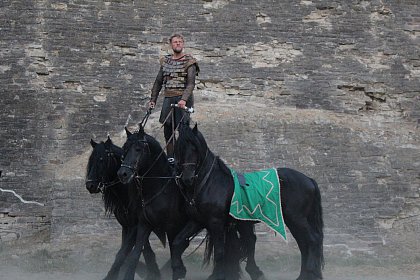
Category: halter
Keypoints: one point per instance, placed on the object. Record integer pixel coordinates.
(197, 189)
(102, 186)
(199, 164)
(139, 178)
(135, 167)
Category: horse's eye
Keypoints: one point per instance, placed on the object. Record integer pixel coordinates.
(101, 158)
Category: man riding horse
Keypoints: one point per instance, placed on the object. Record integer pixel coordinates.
(177, 75)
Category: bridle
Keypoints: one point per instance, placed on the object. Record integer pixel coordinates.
(134, 168)
(199, 166)
(103, 186)
(139, 178)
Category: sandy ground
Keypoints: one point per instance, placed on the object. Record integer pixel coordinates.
(44, 271)
(78, 260)
(360, 273)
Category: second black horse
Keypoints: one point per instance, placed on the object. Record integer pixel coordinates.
(101, 176)
(209, 186)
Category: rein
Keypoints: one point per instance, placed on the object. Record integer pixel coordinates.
(104, 186)
(161, 153)
(139, 178)
(139, 184)
(146, 117)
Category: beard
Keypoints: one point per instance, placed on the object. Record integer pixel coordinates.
(177, 50)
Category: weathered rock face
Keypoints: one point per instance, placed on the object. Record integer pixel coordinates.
(330, 88)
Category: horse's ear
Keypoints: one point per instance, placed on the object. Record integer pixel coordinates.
(108, 140)
(127, 131)
(93, 143)
(195, 129)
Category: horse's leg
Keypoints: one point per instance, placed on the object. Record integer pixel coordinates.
(303, 216)
(178, 246)
(234, 253)
(306, 240)
(129, 268)
(153, 272)
(217, 231)
(128, 240)
(248, 240)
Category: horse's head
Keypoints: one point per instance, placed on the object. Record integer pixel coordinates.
(136, 155)
(103, 164)
(191, 150)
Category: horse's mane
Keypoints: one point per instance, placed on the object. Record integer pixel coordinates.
(189, 136)
(101, 149)
(94, 157)
(111, 198)
(154, 145)
(195, 137)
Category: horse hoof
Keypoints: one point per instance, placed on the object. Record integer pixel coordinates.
(153, 277)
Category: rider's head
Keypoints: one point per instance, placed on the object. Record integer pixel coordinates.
(177, 43)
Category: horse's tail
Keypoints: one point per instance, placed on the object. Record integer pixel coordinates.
(208, 251)
(234, 252)
(316, 221)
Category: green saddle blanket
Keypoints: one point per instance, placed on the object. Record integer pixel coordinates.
(257, 198)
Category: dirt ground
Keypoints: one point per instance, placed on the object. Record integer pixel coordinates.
(77, 261)
(344, 273)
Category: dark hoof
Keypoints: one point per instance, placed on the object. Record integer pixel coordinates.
(257, 275)
(179, 274)
(308, 276)
(213, 277)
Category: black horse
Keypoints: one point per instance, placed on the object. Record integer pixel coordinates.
(163, 203)
(146, 164)
(210, 188)
(103, 164)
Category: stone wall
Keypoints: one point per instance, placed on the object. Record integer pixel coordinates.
(330, 88)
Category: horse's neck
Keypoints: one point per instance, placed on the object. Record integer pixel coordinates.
(160, 166)
(212, 168)
(157, 177)
(207, 165)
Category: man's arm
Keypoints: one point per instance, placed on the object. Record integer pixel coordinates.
(191, 73)
(157, 86)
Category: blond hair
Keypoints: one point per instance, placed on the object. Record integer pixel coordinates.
(176, 35)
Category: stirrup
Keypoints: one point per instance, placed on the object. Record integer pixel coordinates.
(171, 160)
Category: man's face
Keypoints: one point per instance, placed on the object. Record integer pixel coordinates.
(177, 44)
